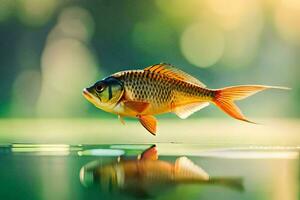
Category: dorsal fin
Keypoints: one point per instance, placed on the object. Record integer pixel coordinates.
(171, 71)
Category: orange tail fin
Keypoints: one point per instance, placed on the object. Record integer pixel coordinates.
(225, 97)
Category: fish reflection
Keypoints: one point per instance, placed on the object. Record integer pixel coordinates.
(147, 176)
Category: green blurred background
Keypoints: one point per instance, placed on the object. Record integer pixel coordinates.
(51, 49)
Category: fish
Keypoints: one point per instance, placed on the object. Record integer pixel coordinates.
(163, 88)
(147, 176)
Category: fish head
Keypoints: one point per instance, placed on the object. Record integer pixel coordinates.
(106, 177)
(105, 94)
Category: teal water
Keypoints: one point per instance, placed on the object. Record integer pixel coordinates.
(60, 171)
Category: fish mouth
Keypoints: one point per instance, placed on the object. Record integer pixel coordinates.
(86, 94)
(90, 97)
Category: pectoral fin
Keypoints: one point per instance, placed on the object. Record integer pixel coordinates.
(149, 122)
(121, 119)
(136, 106)
(150, 153)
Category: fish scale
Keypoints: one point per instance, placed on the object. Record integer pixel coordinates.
(158, 90)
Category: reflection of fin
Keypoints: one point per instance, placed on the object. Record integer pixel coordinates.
(136, 106)
(150, 153)
(149, 122)
(121, 119)
(171, 71)
(185, 111)
(186, 169)
(230, 182)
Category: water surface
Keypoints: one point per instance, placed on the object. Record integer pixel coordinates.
(52, 171)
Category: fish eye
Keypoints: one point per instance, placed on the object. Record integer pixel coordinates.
(99, 87)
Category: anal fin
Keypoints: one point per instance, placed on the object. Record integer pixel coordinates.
(186, 169)
(185, 111)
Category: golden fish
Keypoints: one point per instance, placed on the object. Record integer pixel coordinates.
(148, 176)
(162, 88)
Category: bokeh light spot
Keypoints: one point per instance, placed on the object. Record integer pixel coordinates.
(287, 20)
(36, 12)
(77, 22)
(232, 14)
(67, 67)
(202, 44)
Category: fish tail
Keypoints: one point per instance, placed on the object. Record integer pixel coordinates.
(224, 98)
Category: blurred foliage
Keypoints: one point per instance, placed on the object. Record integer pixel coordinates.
(51, 49)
